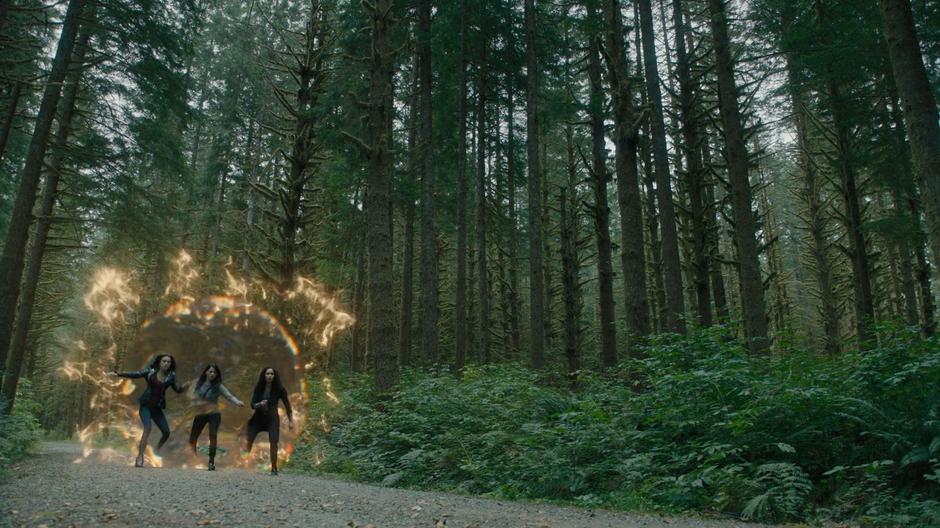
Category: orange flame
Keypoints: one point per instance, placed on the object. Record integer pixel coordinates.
(182, 276)
(328, 318)
(111, 297)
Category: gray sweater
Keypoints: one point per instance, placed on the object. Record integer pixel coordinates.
(210, 392)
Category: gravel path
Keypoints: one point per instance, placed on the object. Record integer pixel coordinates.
(50, 490)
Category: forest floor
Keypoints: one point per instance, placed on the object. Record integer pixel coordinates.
(51, 490)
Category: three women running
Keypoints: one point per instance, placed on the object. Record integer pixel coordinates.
(161, 374)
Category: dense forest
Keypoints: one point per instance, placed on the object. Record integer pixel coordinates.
(670, 254)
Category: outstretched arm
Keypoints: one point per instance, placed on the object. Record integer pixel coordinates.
(230, 397)
(131, 374)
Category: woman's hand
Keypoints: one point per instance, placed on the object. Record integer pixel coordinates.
(290, 424)
(240, 403)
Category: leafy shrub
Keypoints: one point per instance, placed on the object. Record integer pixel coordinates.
(19, 431)
(696, 424)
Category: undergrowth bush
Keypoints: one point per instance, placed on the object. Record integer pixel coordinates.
(19, 431)
(696, 425)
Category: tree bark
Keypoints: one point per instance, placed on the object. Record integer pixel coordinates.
(601, 209)
(749, 272)
(356, 363)
(536, 282)
(919, 106)
(852, 218)
(713, 236)
(815, 220)
(378, 209)
(9, 115)
(307, 67)
(429, 257)
(408, 236)
(628, 193)
(672, 268)
(4, 10)
(460, 305)
(14, 248)
(483, 316)
(569, 256)
(514, 300)
(695, 176)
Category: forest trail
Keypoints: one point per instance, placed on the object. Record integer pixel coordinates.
(50, 490)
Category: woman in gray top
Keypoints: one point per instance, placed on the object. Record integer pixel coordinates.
(208, 389)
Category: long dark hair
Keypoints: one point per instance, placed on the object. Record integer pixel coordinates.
(276, 386)
(155, 364)
(202, 378)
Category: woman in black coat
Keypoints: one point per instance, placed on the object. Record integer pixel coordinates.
(268, 391)
(159, 375)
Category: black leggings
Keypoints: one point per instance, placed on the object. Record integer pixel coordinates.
(214, 419)
(271, 423)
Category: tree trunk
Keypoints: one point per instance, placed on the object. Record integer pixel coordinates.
(44, 221)
(601, 210)
(547, 239)
(9, 115)
(378, 210)
(570, 287)
(713, 239)
(749, 272)
(429, 271)
(500, 231)
(672, 269)
(536, 283)
(815, 219)
(483, 317)
(408, 251)
(920, 108)
(656, 289)
(14, 249)
(307, 68)
(4, 10)
(356, 362)
(514, 300)
(636, 303)
(695, 175)
(928, 321)
(852, 218)
(460, 305)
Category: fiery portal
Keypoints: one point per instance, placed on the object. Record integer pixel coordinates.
(231, 330)
(242, 339)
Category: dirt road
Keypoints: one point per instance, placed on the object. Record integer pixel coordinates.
(50, 490)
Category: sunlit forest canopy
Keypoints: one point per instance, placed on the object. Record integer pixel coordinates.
(578, 193)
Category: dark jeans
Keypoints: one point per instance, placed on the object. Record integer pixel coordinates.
(154, 414)
(214, 419)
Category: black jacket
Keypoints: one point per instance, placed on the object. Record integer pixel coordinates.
(149, 374)
(272, 403)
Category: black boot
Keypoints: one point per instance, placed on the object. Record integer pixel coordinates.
(212, 458)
